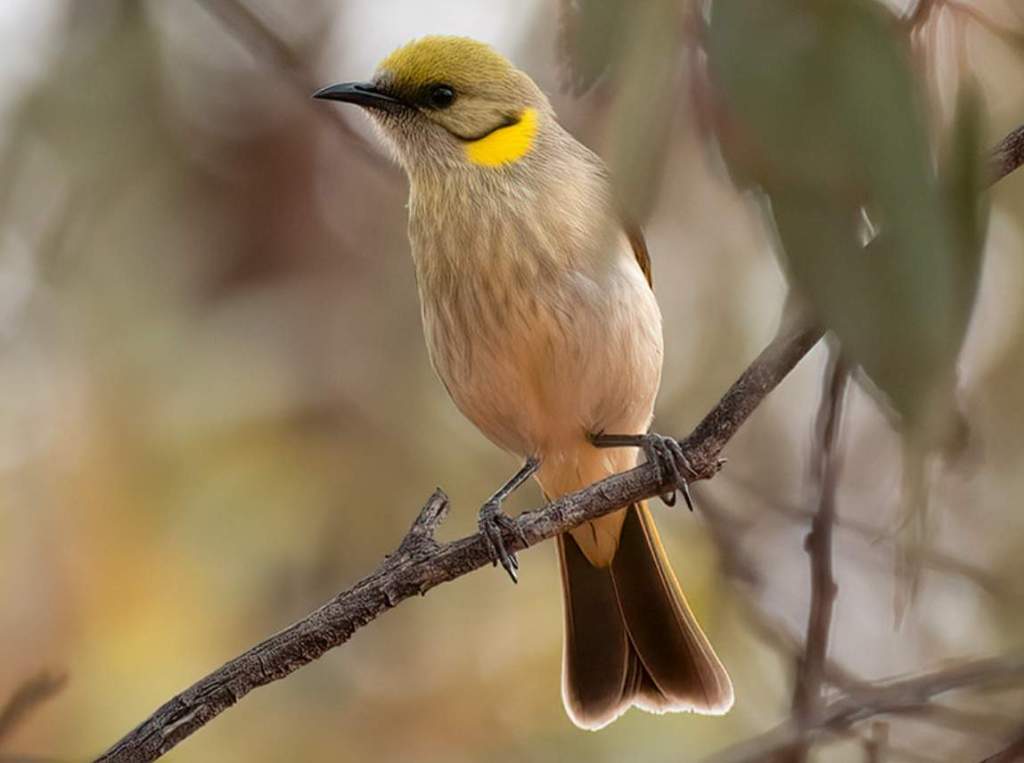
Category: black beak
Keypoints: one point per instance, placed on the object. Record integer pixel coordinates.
(362, 94)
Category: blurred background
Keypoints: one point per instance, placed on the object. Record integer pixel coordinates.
(212, 370)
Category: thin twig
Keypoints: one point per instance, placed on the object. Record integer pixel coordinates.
(882, 698)
(265, 45)
(875, 744)
(772, 630)
(930, 557)
(811, 668)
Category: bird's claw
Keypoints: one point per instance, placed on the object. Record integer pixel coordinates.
(667, 454)
(493, 523)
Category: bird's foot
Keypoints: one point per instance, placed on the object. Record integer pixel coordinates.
(493, 524)
(668, 455)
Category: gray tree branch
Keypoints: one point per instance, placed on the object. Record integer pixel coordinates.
(421, 563)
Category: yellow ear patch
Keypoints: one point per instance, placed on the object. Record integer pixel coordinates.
(506, 144)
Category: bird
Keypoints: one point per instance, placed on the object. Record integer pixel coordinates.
(540, 320)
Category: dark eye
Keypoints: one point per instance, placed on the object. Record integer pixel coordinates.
(441, 96)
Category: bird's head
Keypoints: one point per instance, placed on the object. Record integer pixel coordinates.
(449, 102)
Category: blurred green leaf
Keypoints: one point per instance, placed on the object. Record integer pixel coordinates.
(963, 175)
(642, 110)
(832, 124)
(589, 39)
(636, 51)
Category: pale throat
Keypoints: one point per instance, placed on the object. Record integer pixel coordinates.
(505, 145)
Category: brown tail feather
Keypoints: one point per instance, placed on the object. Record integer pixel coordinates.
(630, 638)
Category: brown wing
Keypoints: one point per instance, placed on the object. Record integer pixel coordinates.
(643, 258)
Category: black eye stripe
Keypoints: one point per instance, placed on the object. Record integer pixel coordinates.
(508, 121)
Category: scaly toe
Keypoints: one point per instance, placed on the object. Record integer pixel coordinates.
(680, 455)
(492, 523)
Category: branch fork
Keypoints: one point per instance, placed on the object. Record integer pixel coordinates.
(420, 541)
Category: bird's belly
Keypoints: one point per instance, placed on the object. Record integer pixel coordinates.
(536, 370)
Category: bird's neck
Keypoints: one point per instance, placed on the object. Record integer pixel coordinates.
(500, 224)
